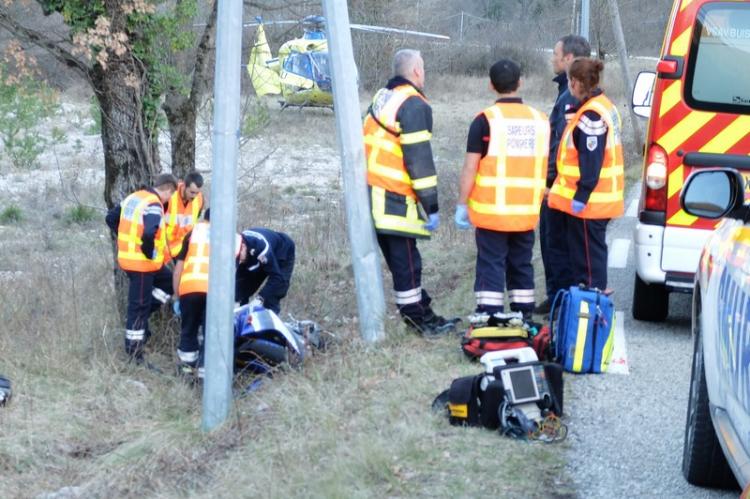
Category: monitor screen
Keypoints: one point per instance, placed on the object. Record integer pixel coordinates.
(522, 384)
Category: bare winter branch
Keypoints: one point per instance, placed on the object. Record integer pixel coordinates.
(58, 48)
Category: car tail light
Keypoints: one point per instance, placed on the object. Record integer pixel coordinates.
(656, 179)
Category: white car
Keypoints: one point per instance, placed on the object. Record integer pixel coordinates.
(717, 432)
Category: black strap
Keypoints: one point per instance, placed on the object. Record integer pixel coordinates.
(382, 125)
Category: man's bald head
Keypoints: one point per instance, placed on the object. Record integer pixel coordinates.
(408, 63)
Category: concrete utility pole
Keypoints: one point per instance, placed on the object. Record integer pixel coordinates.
(623, 53)
(365, 255)
(585, 16)
(219, 337)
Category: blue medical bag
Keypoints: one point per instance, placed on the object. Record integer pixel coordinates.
(583, 329)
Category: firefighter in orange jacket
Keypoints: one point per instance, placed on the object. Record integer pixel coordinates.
(190, 281)
(141, 249)
(403, 185)
(501, 191)
(590, 175)
(183, 211)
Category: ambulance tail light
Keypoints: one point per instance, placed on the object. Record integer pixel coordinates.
(656, 179)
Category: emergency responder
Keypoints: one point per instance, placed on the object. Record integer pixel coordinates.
(264, 253)
(552, 241)
(183, 210)
(403, 185)
(141, 247)
(590, 175)
(190, 280)
(501, 190)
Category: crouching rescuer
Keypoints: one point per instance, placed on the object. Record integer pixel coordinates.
(265, 256)
(403, 186)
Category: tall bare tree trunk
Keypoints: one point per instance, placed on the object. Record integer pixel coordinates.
(131, 154)
(180, 109)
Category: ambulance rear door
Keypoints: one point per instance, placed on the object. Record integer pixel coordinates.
(704, 118)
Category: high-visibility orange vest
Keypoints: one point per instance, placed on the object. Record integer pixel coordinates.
(130, 230)
(181, 218)
(194, 277)
(510, 181)
(607, 198)
(385, 159)
(386, 171)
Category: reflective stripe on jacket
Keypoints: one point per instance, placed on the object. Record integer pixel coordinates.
(181, 217)
(397, 214)
(129, 232)
(394, 192)
(510, 181)
(606, 200)
(194, 277)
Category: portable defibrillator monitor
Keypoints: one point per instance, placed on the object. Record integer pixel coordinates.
(520, 384)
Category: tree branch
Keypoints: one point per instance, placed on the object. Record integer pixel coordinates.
(203, 57)
(43, 41)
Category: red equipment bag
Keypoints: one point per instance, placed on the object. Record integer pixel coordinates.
(479, 340)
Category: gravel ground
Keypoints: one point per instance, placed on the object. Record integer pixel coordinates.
(626, 431)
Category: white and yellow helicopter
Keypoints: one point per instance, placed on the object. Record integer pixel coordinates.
(300, 73)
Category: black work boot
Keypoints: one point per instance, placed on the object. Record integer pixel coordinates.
(134, 351)
(543, 308)
(430, 317)
(429, 329)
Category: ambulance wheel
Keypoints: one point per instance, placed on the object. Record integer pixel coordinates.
(703, 460)
(650, 301)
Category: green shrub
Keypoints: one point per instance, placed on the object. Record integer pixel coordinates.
(96, 114)
(80, 214)
(25, 100)
(10, 215)
(256, 117)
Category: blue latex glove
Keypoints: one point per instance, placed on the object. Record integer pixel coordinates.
(462, 217)
(176, 308)
(576, 206)
(433, 222)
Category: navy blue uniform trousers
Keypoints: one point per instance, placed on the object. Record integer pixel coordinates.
(504, 259)
(544, 245)
(581, 243)
(141, 303)
(555, 244)
(193, 316)
(405, 263)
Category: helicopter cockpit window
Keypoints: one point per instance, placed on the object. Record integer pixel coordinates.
(320, 63)
(298, 64)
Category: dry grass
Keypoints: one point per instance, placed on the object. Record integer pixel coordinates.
(355, 422)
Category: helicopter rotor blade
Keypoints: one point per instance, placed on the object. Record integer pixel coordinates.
(245, 25)
(382, 29)
(362, 27)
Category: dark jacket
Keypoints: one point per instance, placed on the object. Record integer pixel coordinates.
(590, 139)
(271, 254)
(415, 115)
(558, 120)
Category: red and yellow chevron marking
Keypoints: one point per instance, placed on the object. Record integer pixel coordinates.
(681, 43)
(697, 131)
(680, 129)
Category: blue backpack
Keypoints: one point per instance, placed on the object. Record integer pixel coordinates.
(583, 329)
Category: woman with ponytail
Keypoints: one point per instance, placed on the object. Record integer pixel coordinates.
(589, 186)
